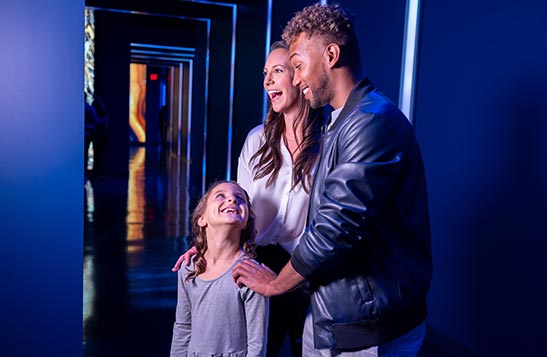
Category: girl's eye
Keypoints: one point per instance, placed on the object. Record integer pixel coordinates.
(219, 195)
(278, 70)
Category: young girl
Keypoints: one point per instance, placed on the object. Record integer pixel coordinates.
(214, 316)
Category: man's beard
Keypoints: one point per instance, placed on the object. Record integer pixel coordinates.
(319, 96)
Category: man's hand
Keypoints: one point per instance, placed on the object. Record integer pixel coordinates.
(254, 275)
(186, 258)
(263, 280)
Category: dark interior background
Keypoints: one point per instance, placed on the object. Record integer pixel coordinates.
(479, 111)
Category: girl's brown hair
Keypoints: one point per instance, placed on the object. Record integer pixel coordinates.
(269, 154)
(246, 240)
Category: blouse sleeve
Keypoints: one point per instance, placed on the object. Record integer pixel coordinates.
(183, 323)
(244, 170)
(244, 166)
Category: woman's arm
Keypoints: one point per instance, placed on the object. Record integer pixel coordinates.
(185, 258)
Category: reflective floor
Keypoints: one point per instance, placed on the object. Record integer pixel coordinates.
(134, 231)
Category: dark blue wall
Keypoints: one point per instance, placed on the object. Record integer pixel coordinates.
(41, 177)
(380, 26)
(482, 126)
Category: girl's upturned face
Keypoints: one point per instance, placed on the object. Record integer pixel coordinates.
(278, 77)
(226, 205)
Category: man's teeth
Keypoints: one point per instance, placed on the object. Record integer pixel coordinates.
(306, 90)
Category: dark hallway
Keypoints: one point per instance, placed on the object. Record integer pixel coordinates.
(134, 231)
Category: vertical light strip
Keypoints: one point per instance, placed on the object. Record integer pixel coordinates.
(268, 41)
(232, 85)
(323, 2)
(180, 105)
(408, 68)
(180, 86)
(204, 162)
(189, 137)
(89, 56)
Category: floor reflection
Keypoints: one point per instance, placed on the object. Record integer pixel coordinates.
(133, 232)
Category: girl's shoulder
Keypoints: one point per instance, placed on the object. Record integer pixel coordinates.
(186, 269)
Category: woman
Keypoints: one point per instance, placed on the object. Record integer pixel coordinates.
(275, 167)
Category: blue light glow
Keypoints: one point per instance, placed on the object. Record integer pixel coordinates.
(232, 85)
(268, 40)
(406, 92)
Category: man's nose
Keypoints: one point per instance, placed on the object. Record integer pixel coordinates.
(296, 80)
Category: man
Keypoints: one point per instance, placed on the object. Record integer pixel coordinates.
(366, 250)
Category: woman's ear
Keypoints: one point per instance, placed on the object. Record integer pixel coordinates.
(202, 222)
(332, 53)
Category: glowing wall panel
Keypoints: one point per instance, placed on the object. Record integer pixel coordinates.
(137, 102)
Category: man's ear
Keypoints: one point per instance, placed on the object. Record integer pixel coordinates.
(201, 222)
(332, 53)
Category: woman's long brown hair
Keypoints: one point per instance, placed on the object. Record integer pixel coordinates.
(269, 154)
(246, 240)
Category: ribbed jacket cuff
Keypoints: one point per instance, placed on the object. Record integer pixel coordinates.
(299, 265)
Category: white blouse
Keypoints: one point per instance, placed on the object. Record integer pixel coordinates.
(280, 213)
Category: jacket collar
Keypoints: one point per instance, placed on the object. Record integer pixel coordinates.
(361, 89)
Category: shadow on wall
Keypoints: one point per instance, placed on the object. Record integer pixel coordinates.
(482, 128)
(509, 216)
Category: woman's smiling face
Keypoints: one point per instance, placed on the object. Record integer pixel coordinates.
(278, 77)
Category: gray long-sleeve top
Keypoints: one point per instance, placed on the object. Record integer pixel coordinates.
(215, 317)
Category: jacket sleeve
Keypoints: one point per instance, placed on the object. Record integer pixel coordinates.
(256, 316)
(369, 154)
(183, 321)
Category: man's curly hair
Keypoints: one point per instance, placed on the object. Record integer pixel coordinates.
(330, 22)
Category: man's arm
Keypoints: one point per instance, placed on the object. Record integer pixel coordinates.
(263, 280)
(354, 195)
